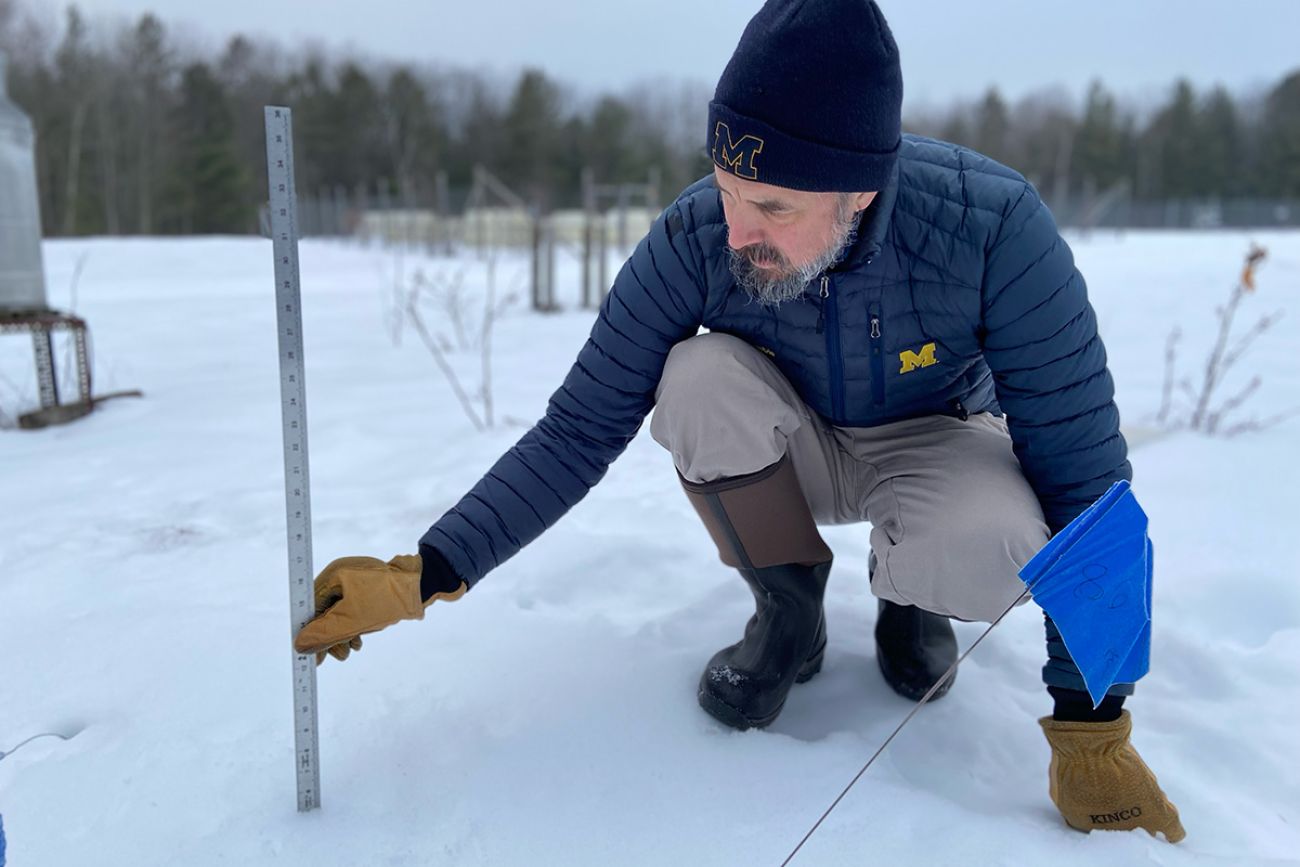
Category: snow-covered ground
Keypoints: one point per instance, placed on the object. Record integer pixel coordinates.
(550, 716)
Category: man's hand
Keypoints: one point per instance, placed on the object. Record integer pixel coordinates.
(1099, 782)
(357, 595)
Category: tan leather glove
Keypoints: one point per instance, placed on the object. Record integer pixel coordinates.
(357, 595)
(1099, 782)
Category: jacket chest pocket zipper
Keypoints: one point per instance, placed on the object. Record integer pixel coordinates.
(831, 313)
(821, 307)
(877, 362)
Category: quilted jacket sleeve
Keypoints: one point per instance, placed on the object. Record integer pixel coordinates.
(1049, 365)
(656, 300)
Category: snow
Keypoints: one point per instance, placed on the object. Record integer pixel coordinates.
(549, 717)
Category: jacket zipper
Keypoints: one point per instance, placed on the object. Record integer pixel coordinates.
(877, 362)
(833, 348)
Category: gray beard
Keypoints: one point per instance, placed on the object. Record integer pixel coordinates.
(789, 283)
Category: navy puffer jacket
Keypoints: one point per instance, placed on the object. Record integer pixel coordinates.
(959, 296)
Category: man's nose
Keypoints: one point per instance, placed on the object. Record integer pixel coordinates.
(742, 232)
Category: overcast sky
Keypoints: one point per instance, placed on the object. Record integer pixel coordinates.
(950, 48)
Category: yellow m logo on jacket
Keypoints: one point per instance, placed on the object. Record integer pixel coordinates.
(736, 157)
(912, 360)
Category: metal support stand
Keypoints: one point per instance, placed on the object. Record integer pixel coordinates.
(42, 325)
(46, 381)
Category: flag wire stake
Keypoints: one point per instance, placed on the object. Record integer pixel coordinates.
(905, 721)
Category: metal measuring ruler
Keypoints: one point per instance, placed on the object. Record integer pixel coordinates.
(293, 407)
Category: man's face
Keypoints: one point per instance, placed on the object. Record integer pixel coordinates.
(780, 239)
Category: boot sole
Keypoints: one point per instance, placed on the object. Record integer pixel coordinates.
(728, 715)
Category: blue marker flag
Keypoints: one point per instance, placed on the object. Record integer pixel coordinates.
(1094, 580)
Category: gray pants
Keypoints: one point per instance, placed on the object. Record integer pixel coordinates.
(952, 517)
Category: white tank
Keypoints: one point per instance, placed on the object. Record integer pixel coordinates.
(22, 275)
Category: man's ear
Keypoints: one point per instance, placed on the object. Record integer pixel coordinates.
(861, 201)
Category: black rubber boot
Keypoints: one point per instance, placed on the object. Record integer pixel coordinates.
(745, 685)
(914, 648)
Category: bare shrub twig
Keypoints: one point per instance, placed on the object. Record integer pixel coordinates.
(1203, 413)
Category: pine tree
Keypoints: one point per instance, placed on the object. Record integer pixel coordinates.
(1280, 140)
(1173, 136)
(338, 130)
(413, 139)
(479, 138)
(308, 93)
(152, 71)
(1041, 143)
(65, 135)
(531, 130)
(1221, 146)
(1102, 146)
(993, 126)
(209, 184)
(609, 148)
(246, 70)
(356, 148)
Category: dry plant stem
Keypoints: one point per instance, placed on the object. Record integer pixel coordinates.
(485, 341)
(1201, 414)
(391, 316)
(1167, 391)
(1264, 324)
(397, 298)
(1222, 360)
(1214, 364)
(72, 304)
(5, 380)
(76, 279)
(1258, 425)
(432, 345)
(19, 393)
(1186, 390)
(452, 299)
(1212, 422)
(456, 308)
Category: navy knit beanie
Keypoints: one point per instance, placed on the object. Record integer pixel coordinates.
(811, 99)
